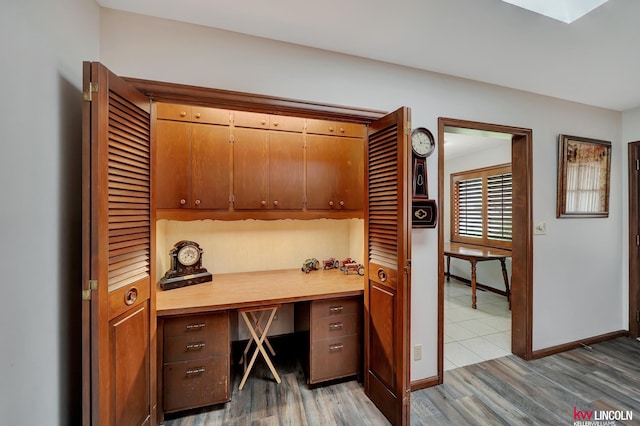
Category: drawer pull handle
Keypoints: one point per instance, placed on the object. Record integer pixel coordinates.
(183, 113)
(335, 309)
(197, 115)
(335, 325)
(195, 346)
(336, 347)
(195, 371)
(194, 327)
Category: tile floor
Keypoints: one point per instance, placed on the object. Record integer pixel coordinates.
(474, 335)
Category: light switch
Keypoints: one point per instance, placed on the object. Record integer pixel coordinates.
(540, 228)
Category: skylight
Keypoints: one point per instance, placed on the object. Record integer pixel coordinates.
(565, 11)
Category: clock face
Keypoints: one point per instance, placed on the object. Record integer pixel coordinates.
(422, 142)
(188, 255)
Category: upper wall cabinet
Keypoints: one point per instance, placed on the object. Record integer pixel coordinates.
(335, 168)
(193, 161)
(226, 161)
(268, 165)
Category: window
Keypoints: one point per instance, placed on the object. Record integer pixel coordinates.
(481, 206)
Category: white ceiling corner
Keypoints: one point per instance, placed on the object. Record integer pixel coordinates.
(593, 61)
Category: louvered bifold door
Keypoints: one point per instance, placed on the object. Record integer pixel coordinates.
(387, 294)
(119, 217)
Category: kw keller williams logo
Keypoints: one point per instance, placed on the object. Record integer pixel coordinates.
(600, 418)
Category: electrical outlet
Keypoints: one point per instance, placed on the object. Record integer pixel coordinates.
(417, 352)
(540, 228)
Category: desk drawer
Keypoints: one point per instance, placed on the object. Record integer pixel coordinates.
(334, 307)
(186, 347)
(335, 326)
(198, 326)
(190, 384)
(334, 358)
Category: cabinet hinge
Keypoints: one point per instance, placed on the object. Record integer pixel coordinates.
(407, 130)
(232, 199)
(637, 240)
(86, 294)
(88, 94)
(637, 165)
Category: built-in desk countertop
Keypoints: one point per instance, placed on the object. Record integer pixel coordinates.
(249, 289)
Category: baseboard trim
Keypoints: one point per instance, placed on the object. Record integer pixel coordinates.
(541, 353)
(427, 382)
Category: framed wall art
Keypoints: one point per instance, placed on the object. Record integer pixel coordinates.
(584, 167)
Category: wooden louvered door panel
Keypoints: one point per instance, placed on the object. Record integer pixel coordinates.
(387, 289)
(118, 236)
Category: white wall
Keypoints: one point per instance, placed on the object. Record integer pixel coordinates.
(578, 289)
(44, 44)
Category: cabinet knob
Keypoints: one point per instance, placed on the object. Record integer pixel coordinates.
(341, 202)
(331, 203)
(263, 122)
(275, 202)
(197, 115)
(183, 113)
(341, 129)
(331, 128)
(183, 201)
(263, 203)
(275, 124)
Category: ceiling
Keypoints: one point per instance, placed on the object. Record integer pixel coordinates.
(595, 60)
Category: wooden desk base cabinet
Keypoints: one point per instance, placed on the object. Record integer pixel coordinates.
(331, 330)
(195, 360)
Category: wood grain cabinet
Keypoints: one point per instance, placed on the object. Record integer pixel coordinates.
(193, 163)
(268, 162)
(334, 337)
(195, 361)
(335, 165)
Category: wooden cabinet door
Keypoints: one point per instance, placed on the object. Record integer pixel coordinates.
(173, 165)
(286, 171)
(387, 277)
(321, 172)
(250, 169)
(118, 304)
(210, 167)
(350, 173)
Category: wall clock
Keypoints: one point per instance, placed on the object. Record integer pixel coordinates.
(423, 212)
(186, 266)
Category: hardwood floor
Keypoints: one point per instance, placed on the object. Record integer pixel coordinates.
(504, 391)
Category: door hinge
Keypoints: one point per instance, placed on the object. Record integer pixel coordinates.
(637, 240)
(407, 130)
(86, 294)
(637, 165)
(88, 95)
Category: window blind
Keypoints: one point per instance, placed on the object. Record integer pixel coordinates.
(481, 206)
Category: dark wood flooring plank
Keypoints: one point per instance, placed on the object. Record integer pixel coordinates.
(506, 391)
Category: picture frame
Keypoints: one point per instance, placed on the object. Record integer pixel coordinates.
(584, 169)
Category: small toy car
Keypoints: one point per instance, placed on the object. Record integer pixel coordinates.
(345, 261)
(310, 264)
(331, 263)
(353, 267)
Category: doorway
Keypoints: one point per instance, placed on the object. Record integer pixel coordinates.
(521, 271)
